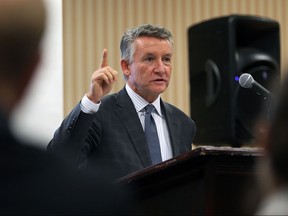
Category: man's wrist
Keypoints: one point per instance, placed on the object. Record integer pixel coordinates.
(88, 106)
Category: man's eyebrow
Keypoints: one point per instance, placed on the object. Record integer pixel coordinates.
(168, 54)
(149, 53)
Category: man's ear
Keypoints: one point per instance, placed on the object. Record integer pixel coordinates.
(262, 132)
(13, 86)
(125, 67)
(27, 74)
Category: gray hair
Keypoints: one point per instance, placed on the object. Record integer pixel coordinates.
(127, 42)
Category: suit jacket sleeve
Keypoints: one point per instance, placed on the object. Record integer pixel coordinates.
(69, 138)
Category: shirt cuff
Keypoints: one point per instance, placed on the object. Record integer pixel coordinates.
(88, 106)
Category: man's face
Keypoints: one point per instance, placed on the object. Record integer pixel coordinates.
(150, 71)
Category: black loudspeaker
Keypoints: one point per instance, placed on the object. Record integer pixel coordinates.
(220, 50)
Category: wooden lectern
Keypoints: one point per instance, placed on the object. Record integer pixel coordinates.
(206, 181)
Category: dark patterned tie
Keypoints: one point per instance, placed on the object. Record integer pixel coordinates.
(152, 136)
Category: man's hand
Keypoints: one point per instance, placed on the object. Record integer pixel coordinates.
(102, 80)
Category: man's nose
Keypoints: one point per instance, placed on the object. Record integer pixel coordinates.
(159, 66)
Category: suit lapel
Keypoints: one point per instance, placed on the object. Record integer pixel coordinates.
(172, 124)
(129, 117)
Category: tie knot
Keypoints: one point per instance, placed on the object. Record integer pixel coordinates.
(149, 108)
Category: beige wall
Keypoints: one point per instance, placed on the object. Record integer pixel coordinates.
(91, 25)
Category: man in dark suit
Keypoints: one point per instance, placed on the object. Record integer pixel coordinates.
(105, 133)
(272, 168)
(33, 181)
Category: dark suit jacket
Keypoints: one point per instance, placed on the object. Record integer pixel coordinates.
(35, 182)
(112, 141)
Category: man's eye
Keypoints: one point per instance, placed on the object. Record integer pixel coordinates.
(149, 59)
(167, 60)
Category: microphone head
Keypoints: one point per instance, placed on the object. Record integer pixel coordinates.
(246, 80)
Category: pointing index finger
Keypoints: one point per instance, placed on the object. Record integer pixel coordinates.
(104, 61)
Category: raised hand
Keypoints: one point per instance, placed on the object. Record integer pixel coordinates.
(102, 80)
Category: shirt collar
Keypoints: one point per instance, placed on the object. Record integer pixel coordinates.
(140, 103)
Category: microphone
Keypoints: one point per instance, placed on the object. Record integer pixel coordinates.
(246, 81)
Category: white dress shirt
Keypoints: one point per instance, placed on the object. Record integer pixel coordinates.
(140, 103)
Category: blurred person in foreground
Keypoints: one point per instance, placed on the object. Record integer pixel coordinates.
(34, 182)
(273, 166)
(106, 133)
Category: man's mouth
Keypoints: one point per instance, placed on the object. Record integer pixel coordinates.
(160, 80)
